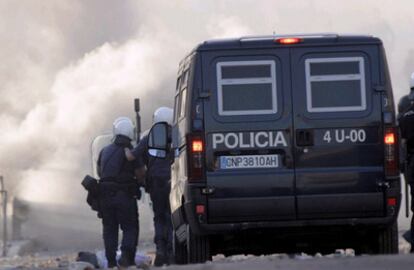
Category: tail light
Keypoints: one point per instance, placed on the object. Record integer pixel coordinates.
(392, 201)
(391, 152)
(195, 157)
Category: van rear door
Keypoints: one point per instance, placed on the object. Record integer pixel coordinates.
(248, 131)
(338, 133)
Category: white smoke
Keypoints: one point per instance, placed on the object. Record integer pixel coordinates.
(84, 97)
(68, 69)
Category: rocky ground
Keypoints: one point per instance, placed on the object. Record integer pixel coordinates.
(342, 259)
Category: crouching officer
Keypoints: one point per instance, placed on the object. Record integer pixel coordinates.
(119, 191)
(406, 123)
(158, 185)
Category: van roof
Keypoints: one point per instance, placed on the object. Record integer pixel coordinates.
(315, 39)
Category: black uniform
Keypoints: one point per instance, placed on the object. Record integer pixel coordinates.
(118, 199)
(406, 123)
(158, 185)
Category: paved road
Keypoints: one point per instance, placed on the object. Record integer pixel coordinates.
(278, 262)
(394, 262)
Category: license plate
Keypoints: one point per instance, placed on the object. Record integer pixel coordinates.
(250, 161)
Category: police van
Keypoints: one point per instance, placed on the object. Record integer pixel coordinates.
(282, 142)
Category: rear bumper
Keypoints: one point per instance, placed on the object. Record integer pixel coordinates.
(199, 225)
(204, 228)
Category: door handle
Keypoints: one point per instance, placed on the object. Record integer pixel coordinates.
(304, 137)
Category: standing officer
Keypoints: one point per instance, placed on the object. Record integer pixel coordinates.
(406, 123)
(158, 185)
(118, 195)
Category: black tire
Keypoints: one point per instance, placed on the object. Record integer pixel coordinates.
(388, 240)
(198, 247)
(180, 251)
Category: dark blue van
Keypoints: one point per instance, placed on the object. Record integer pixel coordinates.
(282, 142)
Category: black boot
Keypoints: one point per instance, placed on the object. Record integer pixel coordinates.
(412, 228)
(126, 260)
(112, 264)
(160, 259)
(161, 254)
(170, 254)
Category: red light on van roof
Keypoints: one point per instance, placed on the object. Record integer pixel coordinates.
(290, 40)
(389, 138)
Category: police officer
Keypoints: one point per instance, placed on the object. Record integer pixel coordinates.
(158, 174)
(118, 195)
(406, 123)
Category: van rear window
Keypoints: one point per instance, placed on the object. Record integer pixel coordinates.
(246, 87)
(251, 71)
(242, 97)
(334, 68)
(335, 84)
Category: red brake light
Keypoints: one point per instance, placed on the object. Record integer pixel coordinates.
(291, 40)
(392, 202)
(197, 146)
(200, 209)
(391, 152)
(195, 157)
(389, 138)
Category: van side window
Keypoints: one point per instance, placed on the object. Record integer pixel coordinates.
(246, 87)
(183, 103)
(177, 99)
(177, 87)
(181, 98)
(335, 84)
(176, 106)
(184, 79)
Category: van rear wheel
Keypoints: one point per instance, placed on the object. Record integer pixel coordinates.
(198, 247)
(388, 240)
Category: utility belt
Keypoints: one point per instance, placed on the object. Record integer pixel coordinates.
(110, 186)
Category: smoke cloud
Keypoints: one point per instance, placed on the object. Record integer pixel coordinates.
(69, 68)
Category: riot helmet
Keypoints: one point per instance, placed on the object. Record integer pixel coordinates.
(412, 81)
(163, 114)
(411, 95)
(123, 126)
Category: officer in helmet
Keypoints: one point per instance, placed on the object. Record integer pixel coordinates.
(158, 174)
(406, 123)
(118, 195)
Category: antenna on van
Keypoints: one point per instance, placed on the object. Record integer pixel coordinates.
(137, 118)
